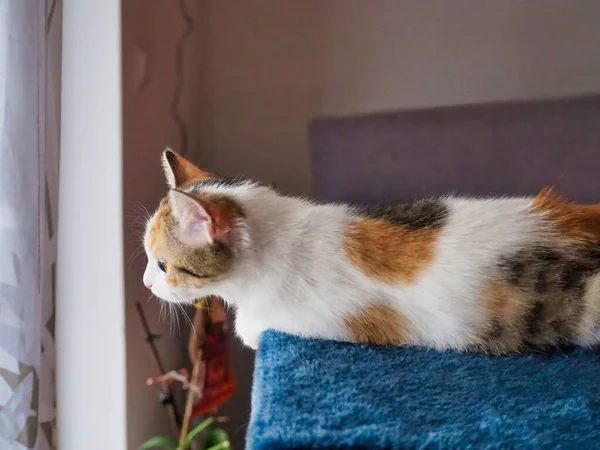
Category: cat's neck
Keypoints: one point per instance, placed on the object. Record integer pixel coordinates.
(274, 219)
(281, 227)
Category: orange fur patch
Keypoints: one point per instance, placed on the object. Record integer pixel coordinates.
(379, 324)
(389, 253)
(580, 222)
(158, 232)
(503, 302)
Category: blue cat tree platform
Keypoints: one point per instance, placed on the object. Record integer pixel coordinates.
(311, 394)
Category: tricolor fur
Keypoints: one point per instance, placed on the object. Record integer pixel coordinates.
(498, 275)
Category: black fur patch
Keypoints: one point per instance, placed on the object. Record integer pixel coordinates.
(552, 283)
(496, 329)
(533, 318)
(541, 284)
(430, 213)
(516, 270)
(545, 254)
(570, 277)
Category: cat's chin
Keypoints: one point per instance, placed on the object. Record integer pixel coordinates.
(177, 298)
(176, 301)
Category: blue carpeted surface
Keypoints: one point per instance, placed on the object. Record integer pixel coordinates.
(317, 394)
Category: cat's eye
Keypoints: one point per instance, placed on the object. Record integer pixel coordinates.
(161, 265)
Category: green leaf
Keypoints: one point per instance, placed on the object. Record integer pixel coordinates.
(216, 437)
(196, 431)
(159, 442)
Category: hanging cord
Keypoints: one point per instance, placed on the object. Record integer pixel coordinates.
(50, 15)
(179, 73)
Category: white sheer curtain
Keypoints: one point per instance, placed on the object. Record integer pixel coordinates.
(29, 119)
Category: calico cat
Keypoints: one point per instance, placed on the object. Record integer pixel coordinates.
(496, 275)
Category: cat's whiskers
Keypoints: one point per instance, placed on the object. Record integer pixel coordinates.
(187, 317)
(162, 304)
(174, 318)
(139, 220)
(136, 220)
(141, 210)
(173, 312)
(177, 318)
(170, 316)
(136, 253)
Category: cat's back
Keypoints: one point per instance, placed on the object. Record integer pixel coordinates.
(397, 244)
(478, 231)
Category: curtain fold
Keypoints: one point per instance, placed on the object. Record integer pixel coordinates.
(29, 142)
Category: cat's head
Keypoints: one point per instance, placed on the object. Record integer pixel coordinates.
(195, 235)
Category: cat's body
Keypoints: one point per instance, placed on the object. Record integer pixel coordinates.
(500, 275)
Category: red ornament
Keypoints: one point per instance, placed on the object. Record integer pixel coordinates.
(215, 378)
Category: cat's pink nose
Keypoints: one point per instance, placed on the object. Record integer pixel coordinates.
(149, 286)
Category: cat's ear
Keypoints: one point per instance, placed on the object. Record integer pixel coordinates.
(179, 171)
(195, 222)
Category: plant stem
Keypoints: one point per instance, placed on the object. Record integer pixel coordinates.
(174, 418)
(189, 404)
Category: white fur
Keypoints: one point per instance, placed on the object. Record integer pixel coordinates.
(290, 272)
